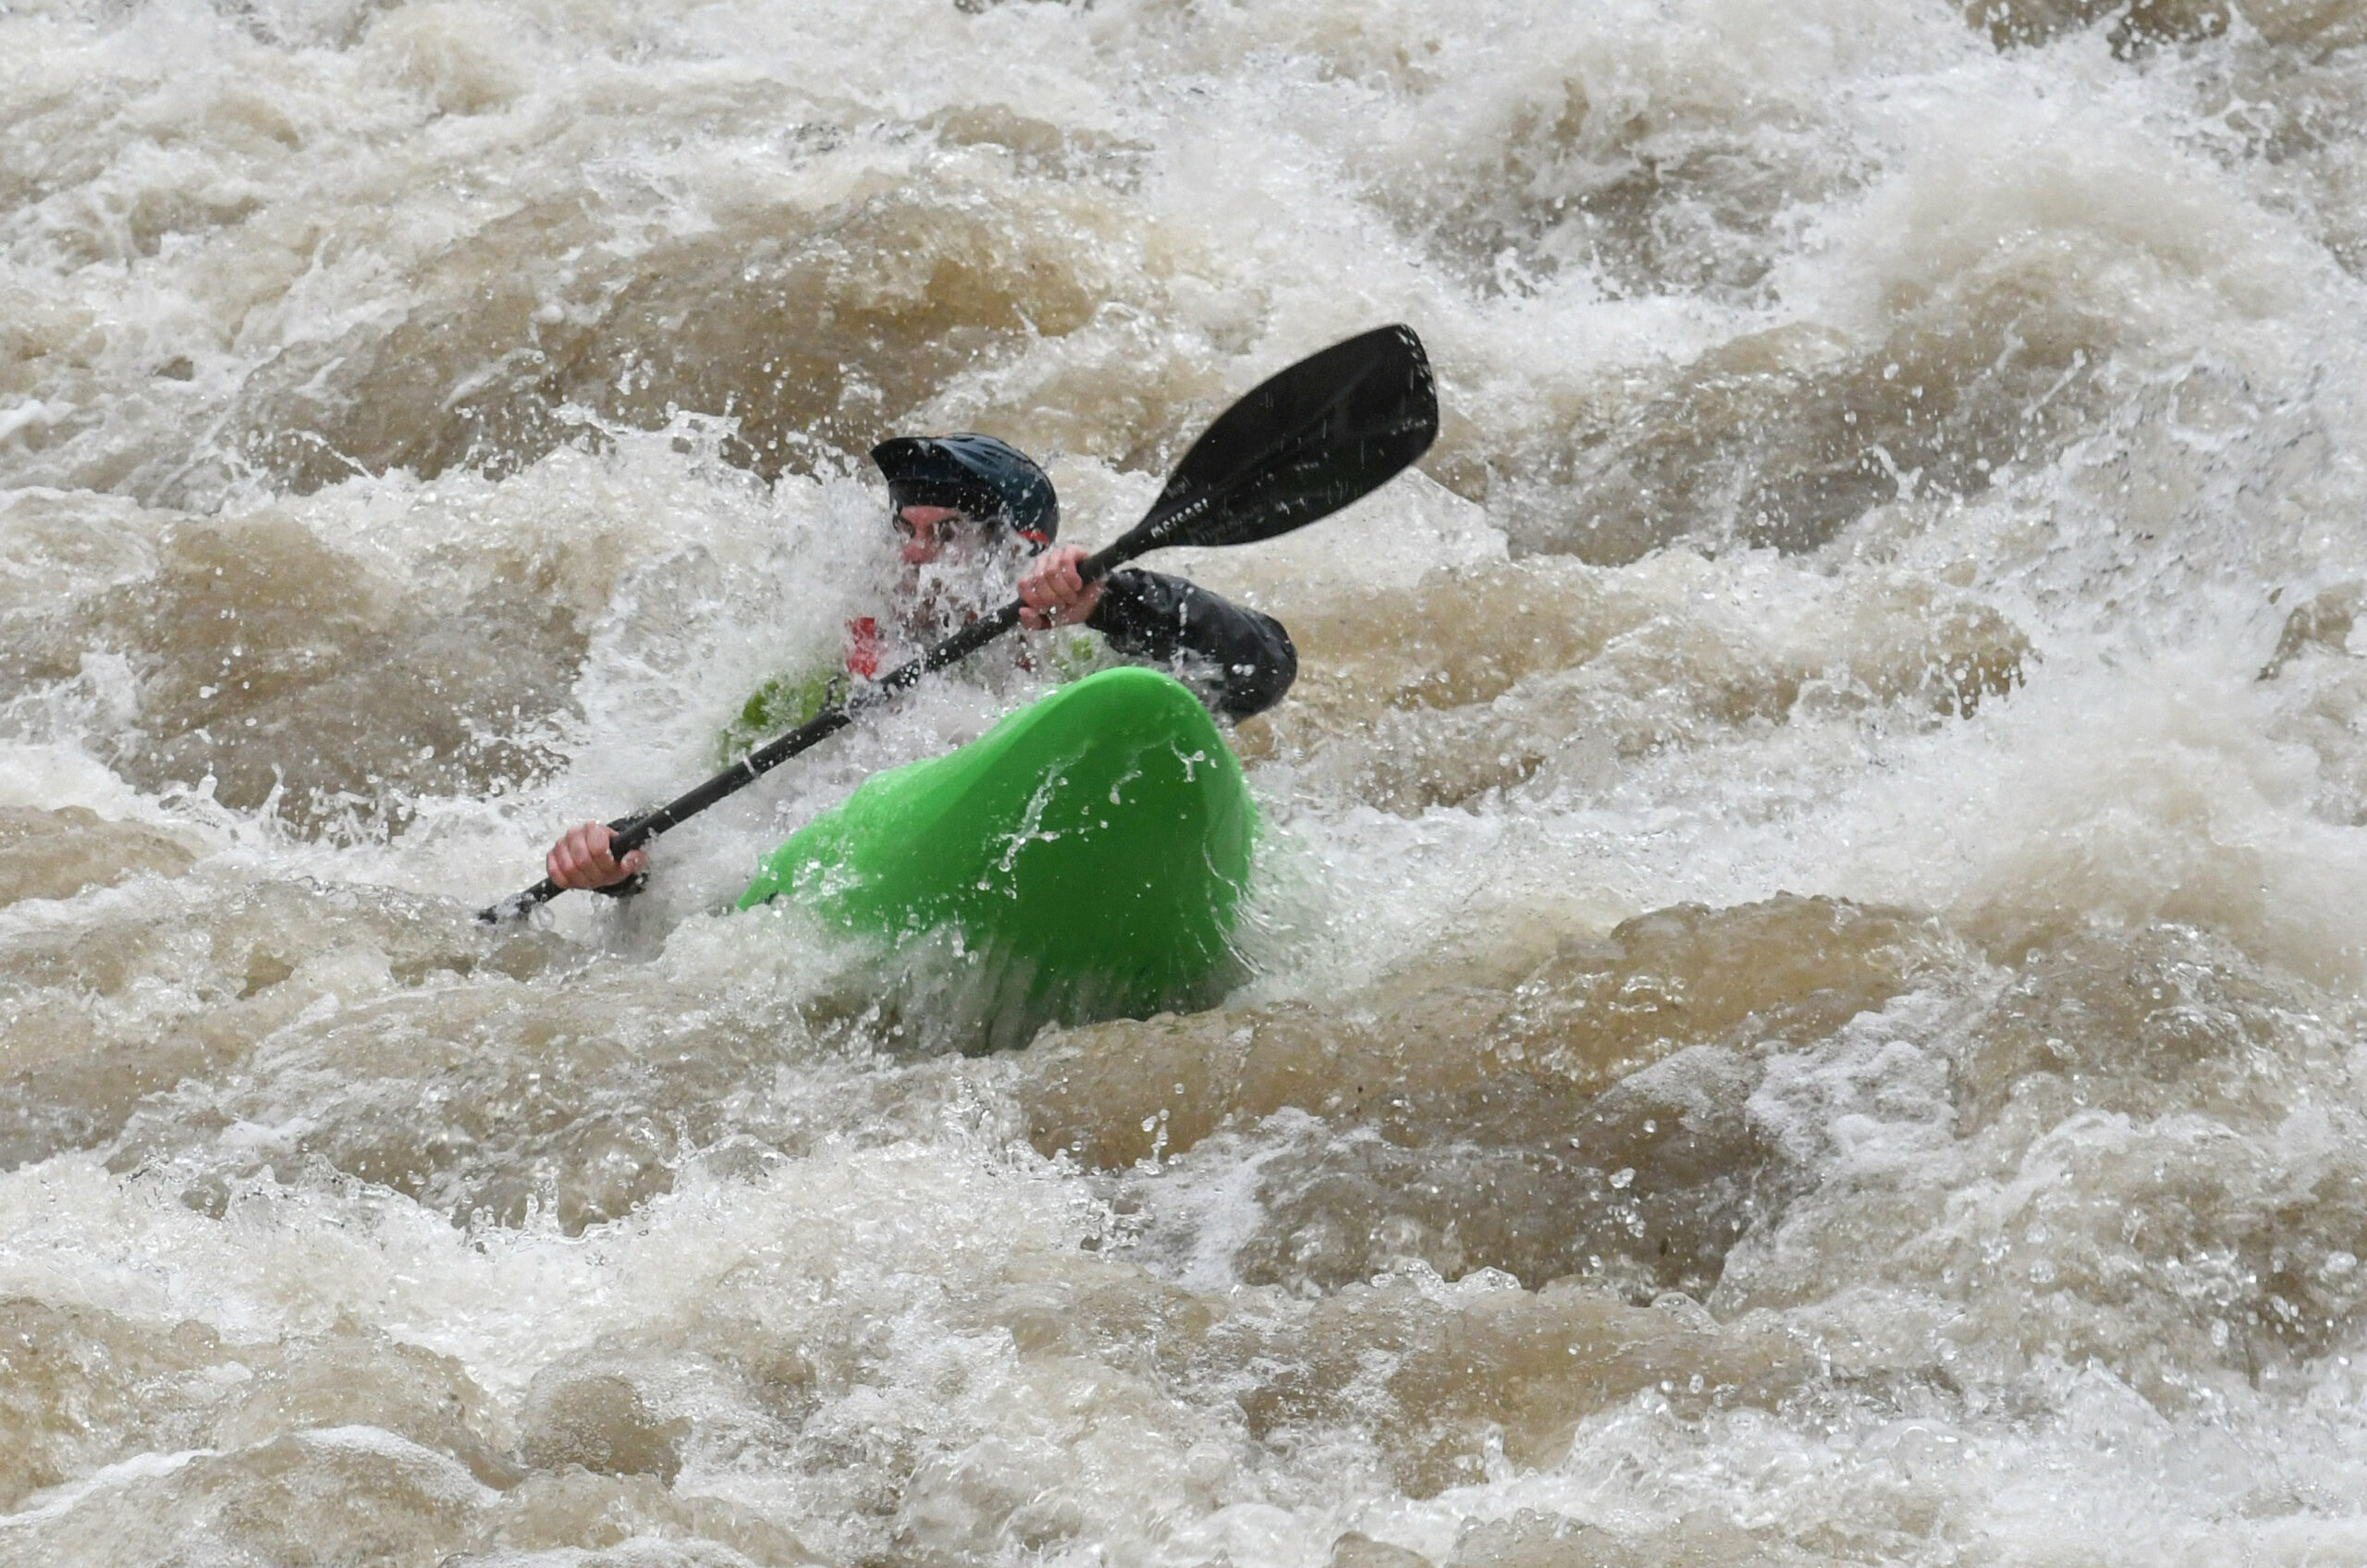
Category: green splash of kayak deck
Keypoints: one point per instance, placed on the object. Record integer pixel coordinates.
(1090, 851)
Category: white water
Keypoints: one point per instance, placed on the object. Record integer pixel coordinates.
(1895, 540)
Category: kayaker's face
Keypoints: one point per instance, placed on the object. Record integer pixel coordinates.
(955, 569)
(934, 532)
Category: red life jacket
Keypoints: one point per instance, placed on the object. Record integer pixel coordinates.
(862, 646)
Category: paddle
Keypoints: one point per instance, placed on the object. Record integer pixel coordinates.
(1330, 429)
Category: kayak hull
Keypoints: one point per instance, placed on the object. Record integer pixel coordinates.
(1088, 853)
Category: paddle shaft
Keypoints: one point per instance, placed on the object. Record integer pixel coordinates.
(631, 832)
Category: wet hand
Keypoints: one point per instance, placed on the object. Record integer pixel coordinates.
(581, 858)
(1054, 591)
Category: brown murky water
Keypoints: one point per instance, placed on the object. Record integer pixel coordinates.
(1804, 1003)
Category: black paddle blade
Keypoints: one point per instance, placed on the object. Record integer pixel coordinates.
(1332, 428)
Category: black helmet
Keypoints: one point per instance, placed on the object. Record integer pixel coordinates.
(990, 479)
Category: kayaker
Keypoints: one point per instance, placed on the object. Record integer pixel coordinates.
(982, 502)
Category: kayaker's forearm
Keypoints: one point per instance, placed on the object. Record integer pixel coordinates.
(1148, 616)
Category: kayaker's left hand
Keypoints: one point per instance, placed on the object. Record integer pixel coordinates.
(581, 858)
(1054, 593)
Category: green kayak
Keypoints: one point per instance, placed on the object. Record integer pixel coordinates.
(1088, 854)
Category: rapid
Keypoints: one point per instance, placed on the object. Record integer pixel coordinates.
(1805, 1000)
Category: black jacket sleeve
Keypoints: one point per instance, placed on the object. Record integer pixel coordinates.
(1239, 661)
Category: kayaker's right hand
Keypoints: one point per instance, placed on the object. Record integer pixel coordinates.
(581, 858)
(1054, 591)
